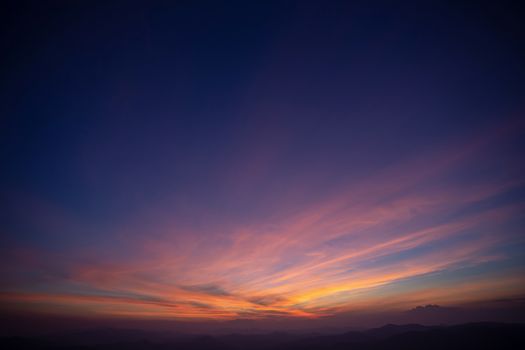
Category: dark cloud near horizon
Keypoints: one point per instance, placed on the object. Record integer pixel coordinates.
(266, 300)
(211, 289)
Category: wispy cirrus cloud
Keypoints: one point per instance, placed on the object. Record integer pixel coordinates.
(338, 253)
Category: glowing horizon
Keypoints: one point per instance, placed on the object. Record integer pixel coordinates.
(348, 251)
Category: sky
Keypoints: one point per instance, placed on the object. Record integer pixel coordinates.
(301, 162)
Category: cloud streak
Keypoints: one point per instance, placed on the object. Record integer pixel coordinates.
(340, 253)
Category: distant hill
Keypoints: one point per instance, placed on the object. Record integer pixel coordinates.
(403, 337)
(392, 329)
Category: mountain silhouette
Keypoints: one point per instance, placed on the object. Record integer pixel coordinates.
(406, 337)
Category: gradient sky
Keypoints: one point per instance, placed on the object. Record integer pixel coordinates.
(198, 161)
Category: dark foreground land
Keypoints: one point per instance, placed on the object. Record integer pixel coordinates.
(406, 337)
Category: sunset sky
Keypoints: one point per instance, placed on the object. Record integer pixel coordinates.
(221, 161)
